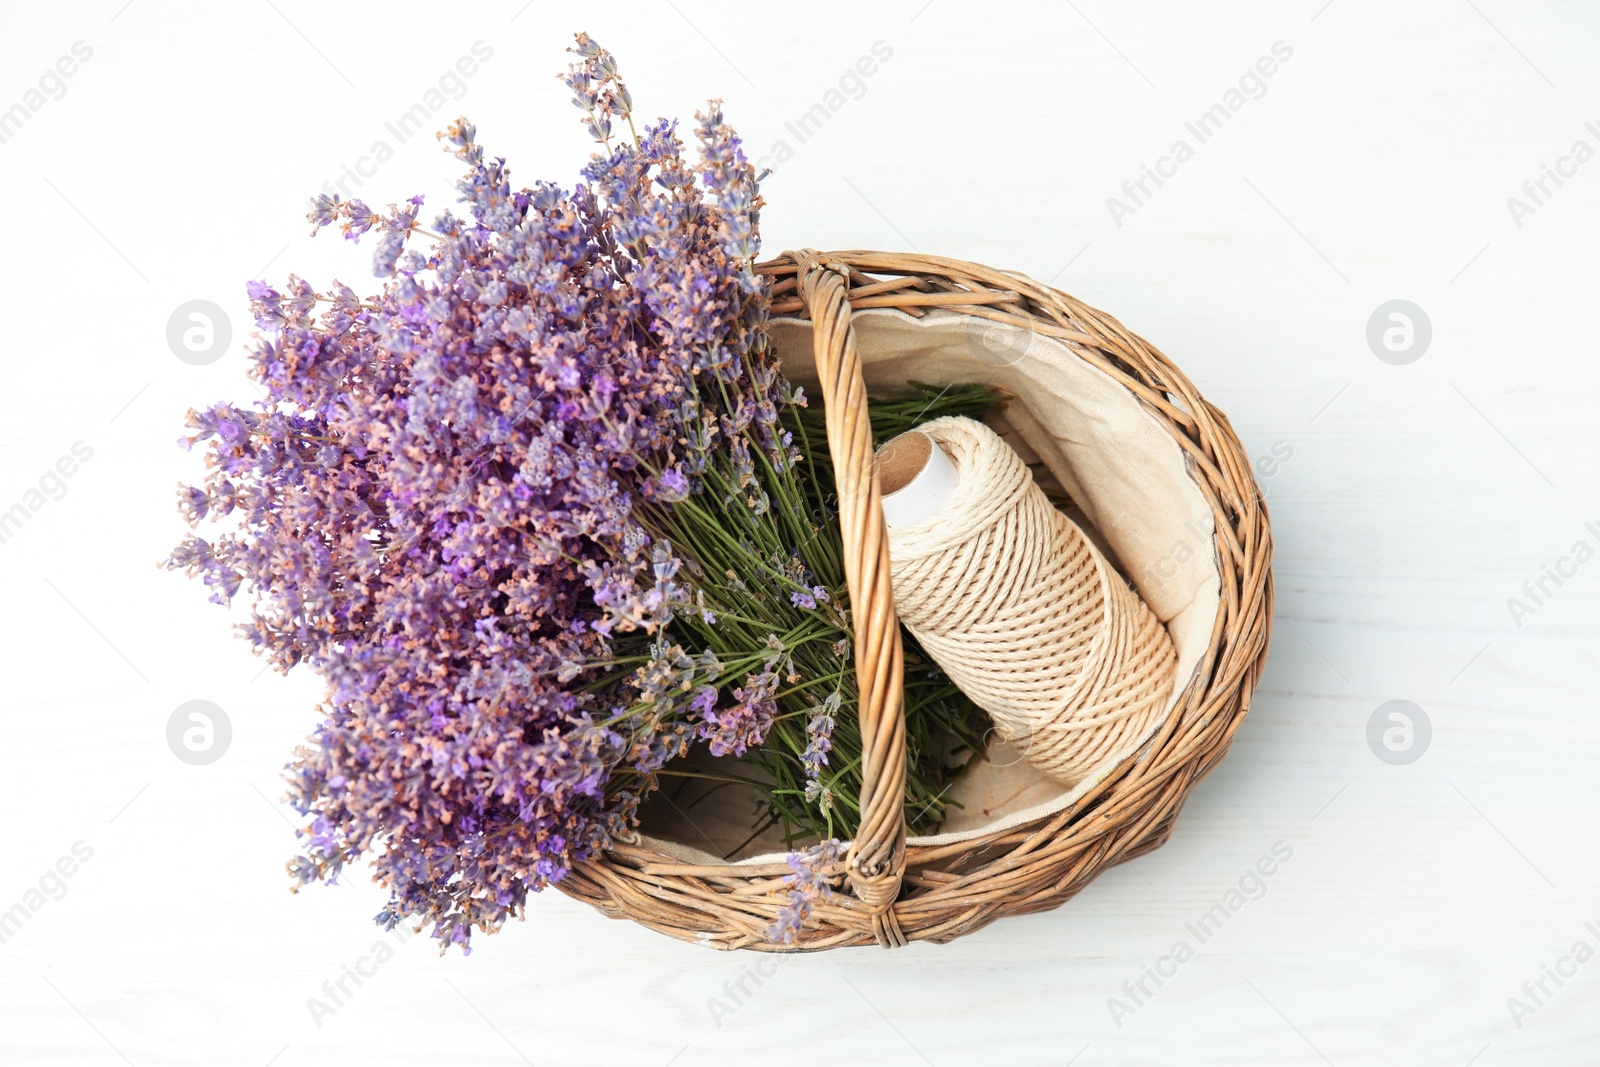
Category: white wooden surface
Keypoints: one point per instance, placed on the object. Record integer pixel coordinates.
(1417, 500)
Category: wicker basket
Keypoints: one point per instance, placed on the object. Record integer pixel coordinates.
(891, 893)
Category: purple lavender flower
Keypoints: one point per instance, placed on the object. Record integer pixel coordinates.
(819, 736)
(437, 507)
(808, 883)
(674, 485)
(739, 726)
(322, 210)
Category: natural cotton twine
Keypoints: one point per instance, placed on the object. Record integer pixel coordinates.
(1025, 615)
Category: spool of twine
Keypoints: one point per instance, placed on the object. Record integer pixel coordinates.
(1016, 605)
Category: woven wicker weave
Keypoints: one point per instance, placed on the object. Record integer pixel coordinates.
(892, 894)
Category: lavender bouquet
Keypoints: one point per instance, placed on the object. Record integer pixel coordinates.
(544, 514)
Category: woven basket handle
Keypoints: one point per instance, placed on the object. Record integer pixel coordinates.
(877, 858)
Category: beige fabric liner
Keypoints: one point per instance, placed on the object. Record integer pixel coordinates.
(1134, 496)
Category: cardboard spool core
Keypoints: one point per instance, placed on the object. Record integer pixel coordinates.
(916, 478)
(901, 459)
